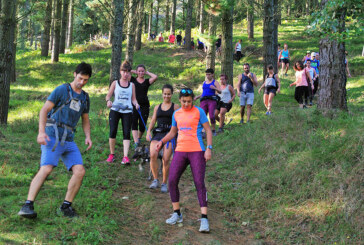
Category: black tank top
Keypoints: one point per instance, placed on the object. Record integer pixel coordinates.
(141, 91)
(164, 118)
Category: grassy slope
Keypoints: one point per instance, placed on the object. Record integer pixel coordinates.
(295, 177)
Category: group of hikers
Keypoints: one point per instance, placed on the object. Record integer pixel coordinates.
(69, 102)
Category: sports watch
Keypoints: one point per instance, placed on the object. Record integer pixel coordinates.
(209, 147)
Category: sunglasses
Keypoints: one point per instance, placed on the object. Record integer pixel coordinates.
(186, 91)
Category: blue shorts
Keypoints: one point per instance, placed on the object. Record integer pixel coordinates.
(69, 153)
(246, 98)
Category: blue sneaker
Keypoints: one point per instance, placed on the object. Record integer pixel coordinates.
(175, 218)
(204, 227)
(164, 188)
(155, 184)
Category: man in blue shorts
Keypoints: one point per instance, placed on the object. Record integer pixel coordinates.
(57, 122)
(245, 89)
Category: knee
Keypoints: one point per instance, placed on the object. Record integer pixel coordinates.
(165, 161)
(47, 169)
(78, 171)
(153, 154)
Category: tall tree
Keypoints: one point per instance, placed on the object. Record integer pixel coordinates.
(211, 48)
(118, 6)
(131, 30)
(157, 18)
(62, 41)
(227, 40)
(7, 38)
(250, 19)
(47, 28)
(202, 17)
(173, 20)
(139, 32)
(57, 30)
(24, 25)
(52, 24)
(70, 24)
(166, 23)
(189, 9)
(150, 24)
(270, 26)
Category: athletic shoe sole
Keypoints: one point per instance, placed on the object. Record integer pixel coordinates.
(28, 216)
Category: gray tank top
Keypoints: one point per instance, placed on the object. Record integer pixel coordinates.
(122, 98)
(271, 81)
(225, 94)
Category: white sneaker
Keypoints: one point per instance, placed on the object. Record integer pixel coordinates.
(204, 227)
(175, 218)
(155, 184)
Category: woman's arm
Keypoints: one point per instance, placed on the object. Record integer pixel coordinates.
(278, 83)
(232, 92)
(153, 77)
(109, 94)
(152, 123)
(133, 98)
(208, 131)
(172, 133)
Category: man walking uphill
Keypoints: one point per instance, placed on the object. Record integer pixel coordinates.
(57, 122)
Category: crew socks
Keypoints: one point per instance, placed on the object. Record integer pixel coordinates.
(178, 211)
(31, 203)
(66, 204)
(203, 216)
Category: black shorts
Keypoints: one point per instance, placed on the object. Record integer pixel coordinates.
(269, 90)
(159, 136)
(227, 106)
(285, 61)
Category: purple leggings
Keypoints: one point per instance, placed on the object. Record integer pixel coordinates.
(209, 106)
(178, 166)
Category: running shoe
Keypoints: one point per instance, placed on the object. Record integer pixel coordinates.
(155, 184)
(111, 158)
(164, 188)
(204, 227)
(68, 212)
(125, 161)
(175, 218)
(267, 113)
(241, 121)
(27, 211)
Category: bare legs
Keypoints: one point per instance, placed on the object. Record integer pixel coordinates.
(154, 160)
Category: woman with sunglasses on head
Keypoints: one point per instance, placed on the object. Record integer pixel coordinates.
(121, 108)
(139, 119)
(188, 122)
(163, 116)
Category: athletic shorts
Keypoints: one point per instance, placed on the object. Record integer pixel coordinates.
(69, 153)
(285, 61)
(269, 90)
(227, 106)
(246, 99)
(159, 136)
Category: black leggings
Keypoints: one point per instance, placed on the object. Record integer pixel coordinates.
(136, 121)
(114, 118)
(299, 92)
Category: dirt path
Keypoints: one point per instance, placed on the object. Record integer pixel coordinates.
(148, 209)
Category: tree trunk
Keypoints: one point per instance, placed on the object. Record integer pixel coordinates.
(131, 31)
(7, 38)
(57, 31)
(150, 20)
(269, 28)
(173, 21)
(250, 19)
(308, 7)
(62, 42)
(52, 25)
(211, 48)
(146, 22)
(70, 24)
(157, 19)
(166, 23)
(47, 28)
(139, 32)
(202, 17)
(23, 29)
(227, 49)
(198, 13)
(189, 9)
(183, 14)
(332, 76)
(111, 28)
(118, 6)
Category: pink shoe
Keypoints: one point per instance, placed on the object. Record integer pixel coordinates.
(111, 158)
(125, 161)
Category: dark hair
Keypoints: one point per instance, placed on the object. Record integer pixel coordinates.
(279, 44)
(84, 69)
(308, 60)
(246, 64)
(185, 92)
(142, 66)
(300, 64)
(270, 67)
(224, 75)
(125, 66)
(167, 86)
(209, 70)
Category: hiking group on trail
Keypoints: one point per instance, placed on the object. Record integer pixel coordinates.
(179, 129)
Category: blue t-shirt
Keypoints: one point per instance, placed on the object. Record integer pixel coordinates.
(66, 115)
(246, 84)
(315, 64)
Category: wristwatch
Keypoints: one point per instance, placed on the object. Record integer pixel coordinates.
(209, 147)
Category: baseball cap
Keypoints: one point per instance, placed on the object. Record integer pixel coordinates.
(313, 54)
(308, 51)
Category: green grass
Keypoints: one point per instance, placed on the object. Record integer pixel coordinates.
(293, 178)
